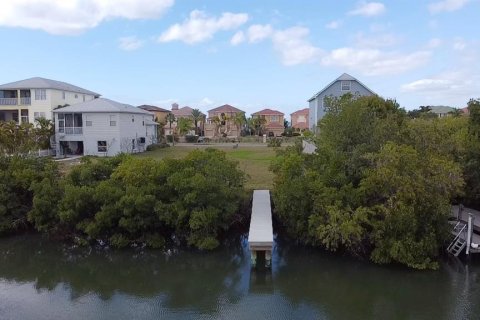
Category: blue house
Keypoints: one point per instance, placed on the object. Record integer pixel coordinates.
(337, 88)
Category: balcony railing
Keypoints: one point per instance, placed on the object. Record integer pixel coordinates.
(8, 101)
(71, 130)
(24, 101)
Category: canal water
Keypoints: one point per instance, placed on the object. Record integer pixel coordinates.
(40, 279)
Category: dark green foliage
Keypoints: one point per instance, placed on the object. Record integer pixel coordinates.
(472, 158)
(379, 185)
(191, 138)
(126, 200)
(274, 142)
(157, 146)
(19, 178)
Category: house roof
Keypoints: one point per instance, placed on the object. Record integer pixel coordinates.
(225, 108)
(183, 112)
(440, 109)
(268, 112)
(152, 108)
(102, 105)
(465, 111)
(43, 83)
(301, 111)
(343, 77)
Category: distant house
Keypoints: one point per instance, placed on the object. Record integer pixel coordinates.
(299, 119)
(221, 122)
(26, 100)
(184, 112)
(103, 127)
(337, 88)
(441, 111)
(274, 124)
(465, 111)
(159, 113)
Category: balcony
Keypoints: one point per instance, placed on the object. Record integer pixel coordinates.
(24, 101)
(71, 130)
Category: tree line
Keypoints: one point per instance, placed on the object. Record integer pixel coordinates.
(381, 182)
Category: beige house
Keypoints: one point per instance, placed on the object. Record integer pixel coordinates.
(221, 122)
(160, 113)
(299, 119)
(274, 121)
(184, 112)
(26, 100)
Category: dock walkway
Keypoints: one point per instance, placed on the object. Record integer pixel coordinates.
(260, 235)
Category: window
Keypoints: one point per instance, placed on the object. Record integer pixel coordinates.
(113, 121)
(133, 119)
(63, 95)
(88, 123)
(274, 118)
(76, 96)
(61, 122)
(345, 85)
(37, 115)
(40, 94)
(102, 146)
(24, 116)
(83, 98)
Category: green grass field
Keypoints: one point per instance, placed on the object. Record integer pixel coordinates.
(254, 161)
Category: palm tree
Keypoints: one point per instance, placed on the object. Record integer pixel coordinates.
(239, 120)
(216, 121)
(43, 132)
(197, 115)
(258, 124)
(184, 125)
(170, 119)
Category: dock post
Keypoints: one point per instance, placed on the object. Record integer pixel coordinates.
(469, 232)
(253, 258)
(268, 259)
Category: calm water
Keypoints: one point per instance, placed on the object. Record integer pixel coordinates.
(45, 280)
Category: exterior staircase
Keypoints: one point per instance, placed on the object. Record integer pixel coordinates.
(459, 241)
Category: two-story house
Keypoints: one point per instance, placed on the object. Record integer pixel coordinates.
(103, 127)
(222, 121)
(160, 113)
(274, 122)
(299, 119)
(183, 112)
(26, 100)
(337, 88)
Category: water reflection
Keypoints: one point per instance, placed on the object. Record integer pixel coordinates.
(303, 283)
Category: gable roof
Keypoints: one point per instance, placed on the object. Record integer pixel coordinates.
(343, 77)
(225, 108)
(301, 111)
(441, 109)
(184, 112)
(102, 105)
(268, 112)
(43, 83)
(152, 108)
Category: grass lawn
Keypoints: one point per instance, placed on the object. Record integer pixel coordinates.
(254, 161)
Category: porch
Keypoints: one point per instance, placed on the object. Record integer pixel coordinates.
(15, 98)
(17, 115)
(70, 148)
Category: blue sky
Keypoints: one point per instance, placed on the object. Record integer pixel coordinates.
(252, 54)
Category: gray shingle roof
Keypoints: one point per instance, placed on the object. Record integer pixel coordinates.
(42, 83)
(441, 109)
(102, 105)
(343, 77)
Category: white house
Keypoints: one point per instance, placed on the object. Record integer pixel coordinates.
(103, 127)
(25, 100)
(337, 88)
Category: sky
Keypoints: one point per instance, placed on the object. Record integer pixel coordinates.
(252, 54)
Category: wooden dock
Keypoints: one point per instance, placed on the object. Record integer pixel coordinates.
(466, 229)
(260, 235)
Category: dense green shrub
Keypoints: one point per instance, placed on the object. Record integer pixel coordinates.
(191, 138)
(379, 185)
(157, 146)
(170, 138)
(274, 142)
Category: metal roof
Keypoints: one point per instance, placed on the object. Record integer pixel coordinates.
(343, 77)
(102, 105)
(43, 83)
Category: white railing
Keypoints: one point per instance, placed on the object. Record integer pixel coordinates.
(8, 101)
(71, 130)
(25, 101)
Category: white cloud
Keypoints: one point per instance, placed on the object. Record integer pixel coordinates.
(368, 9)
(334, 24)
(459, 44)
(434, 43)
(237, 38)
(199, 27)
(205, 102)
(74, 17)
(293, 46)
(257, 32)
(376, 41)
(454, 87)
(375, 62)
(130, 43)
(447, 6)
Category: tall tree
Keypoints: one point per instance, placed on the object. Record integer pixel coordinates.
(43, 132)
(184, 125)
(197, 116)
(239, 120)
